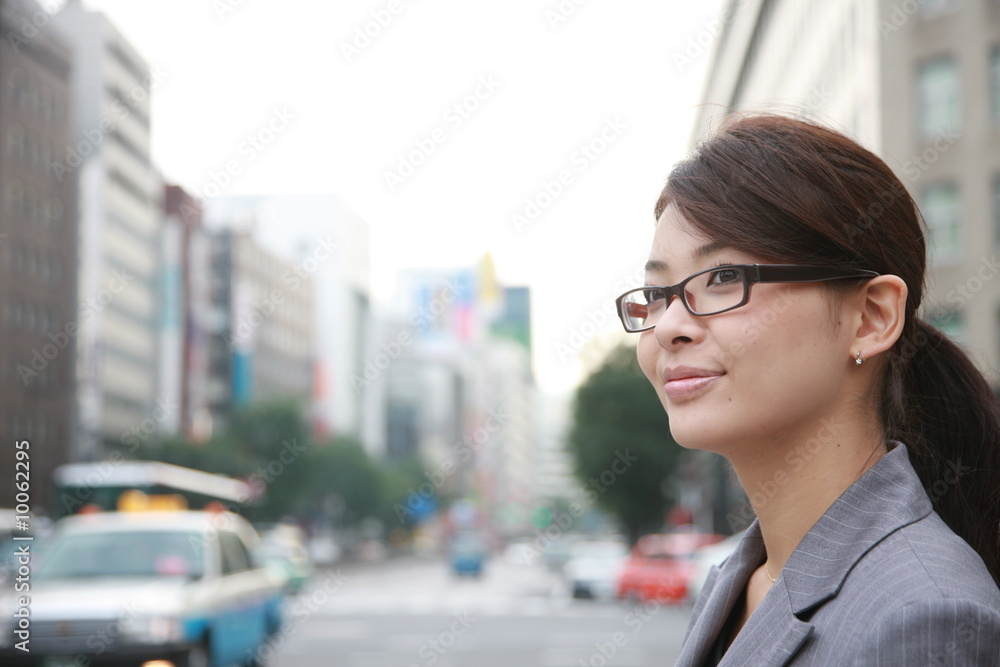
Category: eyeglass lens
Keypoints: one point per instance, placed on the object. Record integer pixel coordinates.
(705, 293)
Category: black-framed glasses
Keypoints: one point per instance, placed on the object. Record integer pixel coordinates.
(718, 289)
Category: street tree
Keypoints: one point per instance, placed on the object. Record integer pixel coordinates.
(621, 444)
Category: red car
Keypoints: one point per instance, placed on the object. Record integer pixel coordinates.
(660, 566)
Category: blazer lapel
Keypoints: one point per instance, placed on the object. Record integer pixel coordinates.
(887, 497)
(721, 591)
(772, 636)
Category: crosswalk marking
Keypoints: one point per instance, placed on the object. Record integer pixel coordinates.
(429, 605)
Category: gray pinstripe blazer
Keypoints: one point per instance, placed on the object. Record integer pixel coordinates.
(880, 579)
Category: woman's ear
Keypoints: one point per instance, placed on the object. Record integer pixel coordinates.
(881, 311)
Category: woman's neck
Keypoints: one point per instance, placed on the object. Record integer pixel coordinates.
(791, 481)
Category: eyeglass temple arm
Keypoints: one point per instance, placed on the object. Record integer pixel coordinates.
(788, 273)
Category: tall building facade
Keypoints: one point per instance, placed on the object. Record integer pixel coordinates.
(325, 245)
(811, 58)
(261, 344)
(120, 212)
(185, 305)
(454, 367)
(39, 319)
(170, 316)
(514, 318)
(918, 83)
(416, 366)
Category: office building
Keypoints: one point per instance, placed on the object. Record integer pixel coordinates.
(185, 312)
(918, 83)
(456, 375)
(119, 229)
(261, 330)
(325, 246)
(39, 319)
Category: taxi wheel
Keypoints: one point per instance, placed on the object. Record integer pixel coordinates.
(197, 656)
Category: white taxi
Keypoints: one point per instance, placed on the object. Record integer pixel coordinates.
(156, 588)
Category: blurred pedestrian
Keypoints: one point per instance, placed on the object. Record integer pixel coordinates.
(867, 441)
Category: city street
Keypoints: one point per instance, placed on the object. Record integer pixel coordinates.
(413, 612)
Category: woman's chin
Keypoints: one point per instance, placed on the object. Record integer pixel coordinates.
(701, 436)
(692, 439)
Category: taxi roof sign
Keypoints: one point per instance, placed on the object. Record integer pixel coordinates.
(135, 500)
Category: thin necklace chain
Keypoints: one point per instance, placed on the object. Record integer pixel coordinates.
(768, 573)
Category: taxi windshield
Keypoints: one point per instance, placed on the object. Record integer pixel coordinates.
(123, 554)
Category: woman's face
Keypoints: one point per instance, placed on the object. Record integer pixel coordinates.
(771, 370)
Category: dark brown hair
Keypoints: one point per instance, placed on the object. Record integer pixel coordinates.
(790, 191)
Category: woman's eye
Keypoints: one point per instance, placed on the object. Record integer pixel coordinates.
(724, 277)
(652, 295)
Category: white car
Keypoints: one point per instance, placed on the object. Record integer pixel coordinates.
(705, 557)
(593, 568)
(128, 587)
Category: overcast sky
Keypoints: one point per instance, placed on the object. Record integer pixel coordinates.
(360, 100)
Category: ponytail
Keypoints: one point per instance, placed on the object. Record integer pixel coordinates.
(937, 402)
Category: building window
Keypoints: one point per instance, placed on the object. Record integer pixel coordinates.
(16, 141)
(939, 109)
(58, 110)
(31, 204)
(17, 86)
(45, 103)
(996, 209)
(942, 211)
(29, 318)
(931, 9)
(54, 211)
(34, 156)
(128, 185)
(6, 256)
(995, 82)
(18, 315)
(15, 198)
(30, 99)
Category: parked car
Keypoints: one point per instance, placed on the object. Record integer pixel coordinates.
(324, 549)
(555, 553)
(283, 548)
(467, 554)
(594, 567)
(521, 551)
(660, 567)
(128, 587)
(705, 557)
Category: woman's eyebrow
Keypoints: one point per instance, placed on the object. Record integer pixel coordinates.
(657, 266)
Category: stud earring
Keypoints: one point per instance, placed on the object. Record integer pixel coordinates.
(859, 360)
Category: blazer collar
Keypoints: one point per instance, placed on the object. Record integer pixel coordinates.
(888, 496)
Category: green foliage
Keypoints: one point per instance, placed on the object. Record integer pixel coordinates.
(342, 470)
(618, 421)
(271, 445)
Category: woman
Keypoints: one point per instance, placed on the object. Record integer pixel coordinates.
(839, 409)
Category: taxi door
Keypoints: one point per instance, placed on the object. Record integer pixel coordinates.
(245, 600)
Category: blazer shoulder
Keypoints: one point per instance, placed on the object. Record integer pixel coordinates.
(920, 596)
(938, 631)
(952, 567)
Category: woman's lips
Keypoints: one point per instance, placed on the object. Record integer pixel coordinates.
(689, 387)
